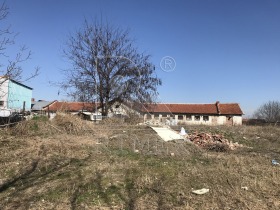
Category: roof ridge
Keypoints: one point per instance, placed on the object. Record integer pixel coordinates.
(186, 103)
(75, 102)
(195, 103)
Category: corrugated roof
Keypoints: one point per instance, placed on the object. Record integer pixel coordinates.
(39, 105)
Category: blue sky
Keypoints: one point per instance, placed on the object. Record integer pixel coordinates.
(226, 50)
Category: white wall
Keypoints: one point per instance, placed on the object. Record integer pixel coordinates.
(237, 120)
(4, 87)
(213, 120)
(221, 120)
(198, 122)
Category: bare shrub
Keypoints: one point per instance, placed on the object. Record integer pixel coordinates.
(269, 111)
(70, 123)
(112, 121)
(133, 119)
(30, 127)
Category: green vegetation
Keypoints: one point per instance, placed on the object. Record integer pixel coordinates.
(43, 118)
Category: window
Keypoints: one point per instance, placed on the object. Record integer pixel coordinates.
(148, 116)
(1, 103)
(180, 117)
(188, 117)
(197, 118)
(205, 118)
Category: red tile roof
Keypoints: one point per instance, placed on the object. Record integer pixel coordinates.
(210, 109)
(230, 109)
(183, 108)
(233, 108)
(70, 106)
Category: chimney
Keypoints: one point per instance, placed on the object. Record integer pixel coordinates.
(217, 106)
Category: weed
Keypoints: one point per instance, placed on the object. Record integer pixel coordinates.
(40, 118)
(34, 127)
(54, 195)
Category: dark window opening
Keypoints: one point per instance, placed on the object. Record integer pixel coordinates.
(1, 103)
(180, 117)
(205, 118)
(148, 116)
(188, 117)
(197, 118)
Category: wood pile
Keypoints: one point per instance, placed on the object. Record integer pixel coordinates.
(215, 142)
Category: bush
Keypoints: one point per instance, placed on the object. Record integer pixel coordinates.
(40, 118)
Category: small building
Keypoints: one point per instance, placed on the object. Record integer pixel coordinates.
(39, 106)
(51, 108)
(14, 96)
(90, 116)
(194, 114)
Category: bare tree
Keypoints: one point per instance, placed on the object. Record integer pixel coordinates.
(107, 67)
(11, 67)
(269, 111)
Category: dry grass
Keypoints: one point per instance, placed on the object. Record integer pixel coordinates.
(70, 164)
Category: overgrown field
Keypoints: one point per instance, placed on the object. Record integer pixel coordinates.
(68, 163)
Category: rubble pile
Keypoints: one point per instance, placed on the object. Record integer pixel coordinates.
(215, 142)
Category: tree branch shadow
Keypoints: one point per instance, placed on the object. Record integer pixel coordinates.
(17, 178)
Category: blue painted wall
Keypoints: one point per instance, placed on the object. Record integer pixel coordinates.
(17, 94)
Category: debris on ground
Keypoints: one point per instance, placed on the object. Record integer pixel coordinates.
(183, 132)
(167, 134)
(201, 191)
(215, 142)
(274, 162)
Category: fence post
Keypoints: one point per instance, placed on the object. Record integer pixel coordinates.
(23, 108)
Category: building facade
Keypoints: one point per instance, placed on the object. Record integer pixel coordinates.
(194, 114)
(14, 96)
